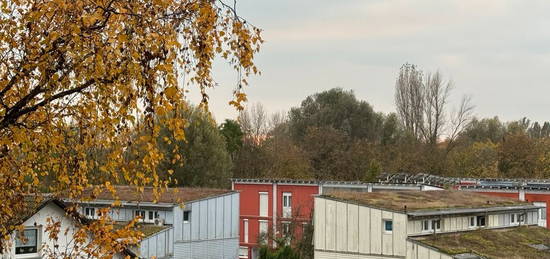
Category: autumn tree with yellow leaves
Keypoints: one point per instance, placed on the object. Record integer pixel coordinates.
(77, 77)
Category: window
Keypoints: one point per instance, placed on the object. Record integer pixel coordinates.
(430, 225)
(286, 228)
(90, 213)
(388, 226)
(186, 216)
(263, 204)
(521, 218)
(287, 204)
(477, 221)
(263, 226)
(436, 224)
(148, 216)
(287, 235)
(426, 225)
(543, 213)
(245, 225)
(481, 221)
(472, 222)
(29, 244)
(243, 252)
(513, 219)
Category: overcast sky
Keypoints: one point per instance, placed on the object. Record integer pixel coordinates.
(496, 51)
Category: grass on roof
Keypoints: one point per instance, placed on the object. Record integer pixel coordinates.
(146, 229)
(424, 200)
(497, 243)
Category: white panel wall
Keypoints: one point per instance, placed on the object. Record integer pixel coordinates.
(387, 238)
(330, 225)
(415, 251)
(319, 223)
(399, 234)
(336, 255)
(375, 231)
(352, 229)
(212, 230)
(341, 226)
(364, 230)
(461, 223)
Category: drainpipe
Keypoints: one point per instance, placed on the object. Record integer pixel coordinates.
(274, 193)
(521, 194)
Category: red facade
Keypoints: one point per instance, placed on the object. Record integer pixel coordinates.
(293, 203)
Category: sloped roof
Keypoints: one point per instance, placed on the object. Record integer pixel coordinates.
(424, 200)
(170, 195)
(516, 242)
(32, 206)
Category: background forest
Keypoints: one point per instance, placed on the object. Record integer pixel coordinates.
(333, 135)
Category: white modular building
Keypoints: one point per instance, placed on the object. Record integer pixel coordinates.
(361, 225)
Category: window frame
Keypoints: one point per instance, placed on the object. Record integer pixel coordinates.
(263, 223)
(385, 226)
(242, 249)
(428, 225)
(472, 221)
(260, 211)
(478, 220)
(287, 200)
(90, 212)
(188, 213)
(245, 231)
(36, 246)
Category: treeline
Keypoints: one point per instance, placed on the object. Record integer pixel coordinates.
(333, 135)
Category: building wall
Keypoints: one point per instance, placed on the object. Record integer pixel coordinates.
(127, 213)
(250, 209)
(352, 229)
(529, 197)
(39, 221)
(461, 223)
(338, 255)
(302, 200)
(416, 251)
(160, 245)
(212, 230)
(302, 206)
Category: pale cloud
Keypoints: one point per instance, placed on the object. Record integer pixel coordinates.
(498, 51)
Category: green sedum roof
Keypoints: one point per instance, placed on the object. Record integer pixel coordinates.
(516, 242)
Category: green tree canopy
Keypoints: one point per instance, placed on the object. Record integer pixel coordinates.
(233, 135)
(205, 160)
(337, 109)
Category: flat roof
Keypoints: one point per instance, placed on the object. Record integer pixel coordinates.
(425, 200)
(515, 242)
(169, 195)
(146, 229)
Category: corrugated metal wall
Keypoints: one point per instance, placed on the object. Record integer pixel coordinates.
(212, 231)
(415, 251)
(159, 245)
(349, 229)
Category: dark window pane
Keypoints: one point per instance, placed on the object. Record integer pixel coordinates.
(28, 244)
(388, 226)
